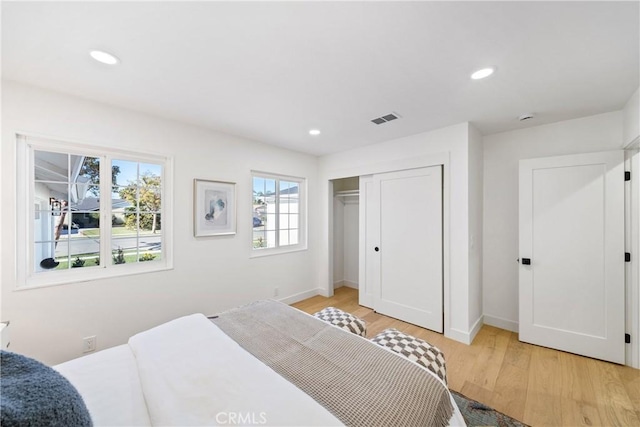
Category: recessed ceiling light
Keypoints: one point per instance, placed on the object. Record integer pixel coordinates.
(104, 57)
(314, 132)
(481, 74)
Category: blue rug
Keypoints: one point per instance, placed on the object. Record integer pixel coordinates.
(476, 414)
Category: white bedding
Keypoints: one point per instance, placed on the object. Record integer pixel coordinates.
(108, 382)
(188, 372)
(203, 377)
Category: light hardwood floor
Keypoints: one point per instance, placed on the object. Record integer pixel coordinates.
(536, 385)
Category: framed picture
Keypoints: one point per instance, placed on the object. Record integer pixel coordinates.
(214, 208)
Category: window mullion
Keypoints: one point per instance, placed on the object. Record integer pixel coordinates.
(106, 186)
(66, 215)
(138, 183)
(277, 239)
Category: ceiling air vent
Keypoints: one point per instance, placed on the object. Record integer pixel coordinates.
(386, 118)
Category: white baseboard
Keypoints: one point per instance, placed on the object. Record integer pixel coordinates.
(350, 284)
(301, 296)
(458, 335)
(327, 293)
(476, 328)
(501, 323)
(465, 337)
(347, 283)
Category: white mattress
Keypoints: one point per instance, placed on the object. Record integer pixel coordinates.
(109, 384)
(146, 382)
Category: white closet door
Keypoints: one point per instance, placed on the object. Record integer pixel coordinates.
(572, 254)
(407, 246)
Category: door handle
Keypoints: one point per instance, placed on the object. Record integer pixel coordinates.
(376, 249)
(526, 261)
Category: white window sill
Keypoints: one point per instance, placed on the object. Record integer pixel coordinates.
(259, 253)
(45, 280)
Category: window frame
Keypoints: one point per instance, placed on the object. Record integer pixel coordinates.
(27, 277)
(302, 220)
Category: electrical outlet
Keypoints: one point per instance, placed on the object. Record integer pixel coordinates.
(276, 292)
(88, 344)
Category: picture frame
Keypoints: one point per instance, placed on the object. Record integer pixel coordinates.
(214, 208)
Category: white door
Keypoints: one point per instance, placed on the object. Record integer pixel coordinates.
(407, 246)
(572, 254)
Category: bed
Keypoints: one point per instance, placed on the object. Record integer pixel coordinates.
(200, 371)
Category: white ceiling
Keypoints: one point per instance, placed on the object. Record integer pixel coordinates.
(271, 71)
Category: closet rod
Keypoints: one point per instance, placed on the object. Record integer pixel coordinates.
(347, 193)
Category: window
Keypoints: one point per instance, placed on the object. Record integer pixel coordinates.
(278, 213)
(92, 212)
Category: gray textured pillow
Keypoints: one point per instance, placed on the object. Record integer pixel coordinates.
(33, 394)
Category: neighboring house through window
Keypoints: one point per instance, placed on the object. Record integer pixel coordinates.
(278, 213)
(95, 212)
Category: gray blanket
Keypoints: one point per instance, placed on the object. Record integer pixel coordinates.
(34, 395)
(359, 382)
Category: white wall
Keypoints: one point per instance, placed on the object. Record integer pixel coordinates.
(631, 119)
(345, 241)
(338, 242)
(345, 233)
(210, 274)
(502, 153)
(351, 246)
(476, 159)
(450, 142)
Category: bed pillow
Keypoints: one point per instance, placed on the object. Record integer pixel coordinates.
(33, 394)
(414, 349)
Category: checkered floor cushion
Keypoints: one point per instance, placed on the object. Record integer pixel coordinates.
(414, 349)
(343, 320)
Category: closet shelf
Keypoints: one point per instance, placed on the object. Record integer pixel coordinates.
(348, 197)
(347, 193)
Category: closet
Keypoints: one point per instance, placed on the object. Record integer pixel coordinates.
(400, 245)
(345, 232)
